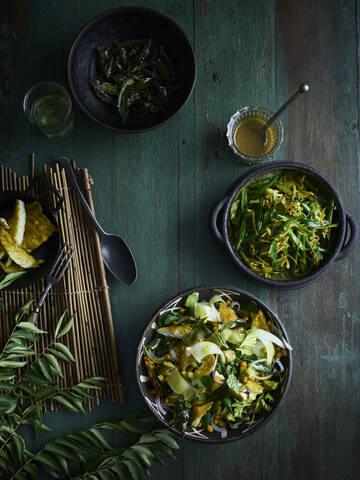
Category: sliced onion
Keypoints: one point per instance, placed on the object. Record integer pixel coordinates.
(152, 355)
(221, 430)
(254, 363)
(235, 304)
(250, 424)
(217, 381)
(280, 365)
(263, 378)
(263, 335)
(202, 349)
(160, 407)
(260, 360)
(213, 374)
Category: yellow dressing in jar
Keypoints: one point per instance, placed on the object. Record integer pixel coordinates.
(250, 141)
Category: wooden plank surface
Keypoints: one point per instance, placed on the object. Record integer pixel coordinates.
(156, 189)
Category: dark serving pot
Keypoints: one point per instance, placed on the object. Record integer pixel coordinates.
(343, 238)
(49, 250)
(122, 24)
(145, 386)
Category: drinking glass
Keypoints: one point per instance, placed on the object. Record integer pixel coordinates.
(48, 106)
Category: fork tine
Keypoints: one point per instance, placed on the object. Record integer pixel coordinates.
(65, 267)
(64, 259)
(58, 258)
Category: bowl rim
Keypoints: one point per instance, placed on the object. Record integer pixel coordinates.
(83, 31)
(251, 175)
(250, 297)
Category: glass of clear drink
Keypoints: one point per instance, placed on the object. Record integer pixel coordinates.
(48, 106)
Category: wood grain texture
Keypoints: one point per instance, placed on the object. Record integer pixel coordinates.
(156, 189)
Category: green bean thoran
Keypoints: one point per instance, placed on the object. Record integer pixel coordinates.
(279, 226)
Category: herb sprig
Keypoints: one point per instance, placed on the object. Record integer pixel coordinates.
(79, 455)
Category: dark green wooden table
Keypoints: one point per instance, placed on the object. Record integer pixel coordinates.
(156, 189)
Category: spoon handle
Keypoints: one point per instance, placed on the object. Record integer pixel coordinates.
(303, 88)
(65, 163)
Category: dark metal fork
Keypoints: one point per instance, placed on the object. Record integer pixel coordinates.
(56, 273)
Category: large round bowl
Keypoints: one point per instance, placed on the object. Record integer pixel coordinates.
(123, 24)
(342, 240)
(198, 434)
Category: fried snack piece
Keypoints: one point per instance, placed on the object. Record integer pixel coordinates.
(12, 268)
(4, 223)
(17, 222)
(16, 253)
(38, 227)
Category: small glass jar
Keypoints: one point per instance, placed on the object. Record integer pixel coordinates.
(262, 114)
(48, 106)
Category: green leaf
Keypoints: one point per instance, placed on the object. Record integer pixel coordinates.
(63, 463)
(11, 363)
(63, 401)
(64, 349)
(55, 447)
(31, 469)
(25, 335)
(19, 447)
(58, 325)
(25, 387)
(45, 369)
(47, 462)
(244, 200)
(233, 383)
(67, 327)
(30, 327)
(58, 354)
(7, 386)
(134, 469)
(9, 278)
(54, 364)
(6, 375)
(205, 382)
(273, 251)
(34, 377)
(100, 438)
(45, 393)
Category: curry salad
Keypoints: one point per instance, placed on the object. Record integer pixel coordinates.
(280, 226)
(215, 364)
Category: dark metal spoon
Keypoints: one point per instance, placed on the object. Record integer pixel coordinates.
(303, 88)
(116, 254)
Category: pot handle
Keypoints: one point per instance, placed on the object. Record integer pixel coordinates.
(214, 218)
(59, 197)
(348, 245)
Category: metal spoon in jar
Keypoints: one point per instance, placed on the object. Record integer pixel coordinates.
(303, 88)
(116, 254)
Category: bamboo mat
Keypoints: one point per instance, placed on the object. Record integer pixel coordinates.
(83, 291)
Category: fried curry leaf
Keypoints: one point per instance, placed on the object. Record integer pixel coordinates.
(135, 76)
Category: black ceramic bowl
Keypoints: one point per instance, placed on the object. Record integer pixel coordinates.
(200, 435)
(122, 24)
(343, 237)
(49, 250)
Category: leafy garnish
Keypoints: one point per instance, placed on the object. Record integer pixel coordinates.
(233, 383)
(135, 76)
